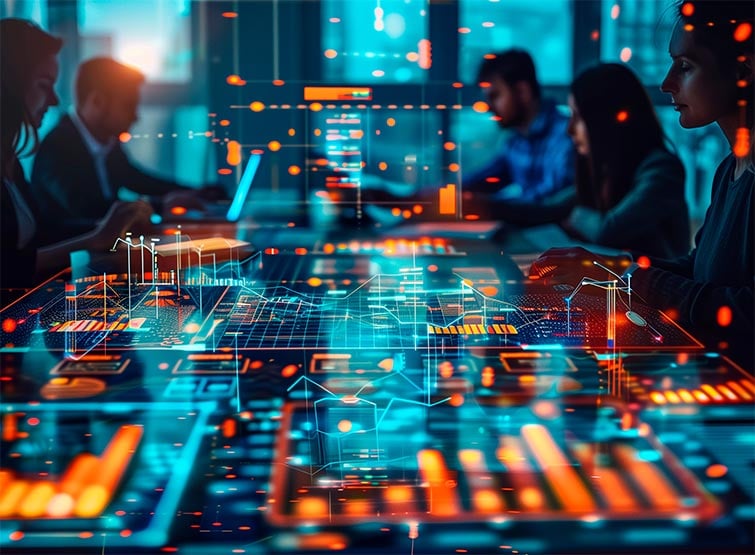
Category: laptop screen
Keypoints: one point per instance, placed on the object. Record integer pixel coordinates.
(242, 191)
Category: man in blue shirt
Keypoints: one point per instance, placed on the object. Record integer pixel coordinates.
(537, 162)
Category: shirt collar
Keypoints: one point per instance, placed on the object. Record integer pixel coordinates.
(94, 147)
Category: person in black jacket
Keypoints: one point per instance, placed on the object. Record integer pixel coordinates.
(81, 165)
(28, 71)
(710, 290)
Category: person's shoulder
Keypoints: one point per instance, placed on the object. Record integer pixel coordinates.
(62, 133)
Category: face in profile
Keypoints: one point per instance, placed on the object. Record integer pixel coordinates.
(504, 102)
(41, 92)
(700, 92)
(578, 129)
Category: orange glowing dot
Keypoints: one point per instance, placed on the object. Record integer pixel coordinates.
(178, 210)
(291, 132)
(454, 167)
(412, 56)
(432, 268)
(741, 142)
(449, 145)
(446, 369)
(464, 30)
(688, 27)
(193, 327)
(17, 535)
(622, 116)
(256, 106)
(124, 137)
(328, 248)
(615, 11)
(716, 471)
(531, 497)
(390, 122)
(396, 211)
(382, 166)
(257, 364)
(315, 106)
(85, 535)
(626, 54)
(330, 53)
(472, 217)
(643, 262)
(294, 170)
(417, 209)
(489, 290)
(225, 171)
(688, 8)
(289, 370)
(344, 426)
(595, 35)
(314, 282)
(682, 359)
(480, 106)
(9, 325)
(274, 146)
(229, 15)
(546, 410)
(278, 82)
(723, 317)
(224, 123)
(313, 507)
(235, 80)
(300, 251)
(125, 533)
(743, 32)
(457, 400)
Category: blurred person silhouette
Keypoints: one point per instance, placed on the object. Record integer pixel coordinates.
(535, 165)
(629, 185)
(709, 290)
(81, 165)
(29, 69)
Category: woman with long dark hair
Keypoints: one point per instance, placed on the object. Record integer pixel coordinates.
(28, 71)
(630, 186)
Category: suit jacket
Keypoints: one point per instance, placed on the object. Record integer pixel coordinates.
(66, 187)
(17, 266)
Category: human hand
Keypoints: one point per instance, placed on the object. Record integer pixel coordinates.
(571, 264)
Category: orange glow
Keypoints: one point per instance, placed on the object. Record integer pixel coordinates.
(390, 122)
(330, 53)
(457, 400)
(230, 15)
(382, 166)
(417, 209)
(225, 171)
(425, 54)
(15, 536)
(657, 397)
(615, 11)
(441, 497)
(626, 54)
(228, 427)
(643, 262)
(224, 123)
(546, 410)
(289, 370)
(716, 471)
(454, 167)
(256, 106)
(328, 248)
(274, 146)
(178, 210)
(488, 376)
(622, 116)
(34, 503)
(124, 137)
(398, 494)
(688, 8)
(741, 142)
(396, 212)
(406, 214)
(480, 106)
(9, 325)
(294, 170)
(233, 154)
(724, 316)
(649, 478)
(594, 35)
(314, 282)
(743, 32)
(278, 82)
(344, 426)
(235, 80)
(315, 107)
(313, 507)
(449, 145)
(412, 56)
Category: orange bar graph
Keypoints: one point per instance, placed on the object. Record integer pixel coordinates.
(447, 199)
(557, 469)
(441, 497)
(649, 478)
(617, 495)
(485, 499)
(526, 487)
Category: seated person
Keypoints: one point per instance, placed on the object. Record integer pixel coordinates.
(630, 188)
(28, 71)
(81, 165)
(535, 165)
(709, 290)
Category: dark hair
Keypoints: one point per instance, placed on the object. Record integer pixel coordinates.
(23, 46)
(622, 128)
(107, 76)
(512, 66)
(725, 28)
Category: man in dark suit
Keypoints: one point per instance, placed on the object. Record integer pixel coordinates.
(80, 165)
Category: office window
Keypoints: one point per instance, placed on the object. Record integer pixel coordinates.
(152, 35)
(375, 41)
(542, 28)
(35, 10)
(637, 32)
